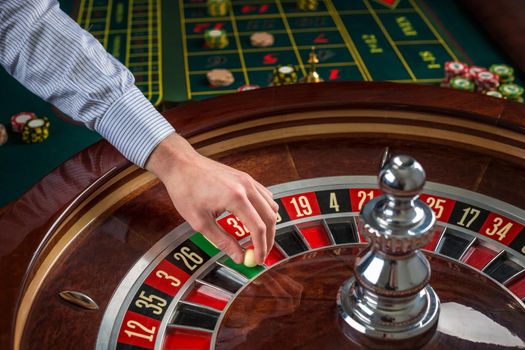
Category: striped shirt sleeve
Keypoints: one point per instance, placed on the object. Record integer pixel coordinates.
(44, 49)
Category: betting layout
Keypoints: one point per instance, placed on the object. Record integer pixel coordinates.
(131, 32)
(177, 301)
(357, 40)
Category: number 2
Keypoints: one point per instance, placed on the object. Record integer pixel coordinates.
(134, 324)
(363, 195)
(186, 255)
(437, 205)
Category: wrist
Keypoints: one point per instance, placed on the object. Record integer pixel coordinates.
(171, 154)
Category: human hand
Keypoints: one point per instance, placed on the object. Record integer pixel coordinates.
(202, 189)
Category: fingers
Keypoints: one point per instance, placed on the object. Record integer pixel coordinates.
(267, 214)
(267, 195)
(246, 211)
(272, 217)
(222, 241)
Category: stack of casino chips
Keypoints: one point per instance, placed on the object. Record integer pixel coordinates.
(454, 69)
(218, 7)
(220, 77)
(216, 38)
(307, 5)
(486, 81)
(512, 92)
(35, 130)
(474, 70)
(495, 81)
(284, 75)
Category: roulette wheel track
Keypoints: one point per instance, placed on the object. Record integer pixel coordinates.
(94, 220)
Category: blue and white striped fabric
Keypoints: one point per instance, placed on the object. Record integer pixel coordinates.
(44, 49)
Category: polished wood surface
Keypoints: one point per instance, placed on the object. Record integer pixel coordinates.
(86, 223)
(290, 306)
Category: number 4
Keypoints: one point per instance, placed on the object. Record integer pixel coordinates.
(497, 229)
(333, 202)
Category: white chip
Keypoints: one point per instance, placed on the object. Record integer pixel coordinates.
(215, 32)
(23, 118)
(286, 69)
(36, 123)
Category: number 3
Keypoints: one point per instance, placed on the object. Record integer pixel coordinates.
(496, 230)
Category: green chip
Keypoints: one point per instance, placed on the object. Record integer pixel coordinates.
(216, 38)
(218, 7)
(503, 70)
(461, 84)
(511, 91)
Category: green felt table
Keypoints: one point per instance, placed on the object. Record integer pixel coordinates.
(162, 43)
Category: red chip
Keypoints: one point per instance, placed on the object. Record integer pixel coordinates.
(486, 80)
(20, 119)
(457, 69)
(473, 70)
(487, 77)
(248, 87)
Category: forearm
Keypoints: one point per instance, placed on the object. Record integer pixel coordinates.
(60, 62)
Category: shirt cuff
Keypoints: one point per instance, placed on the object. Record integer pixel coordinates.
(134, 126)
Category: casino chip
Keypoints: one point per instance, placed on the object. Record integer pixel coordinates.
(454, 69)
(20, 119)
(220, 77)
(261, 39)
(218, 7)
(512, 92)
(461, 84)
(307, 5)
(493, 94)
(3, 134)
(473, 70)
(216, 38)
(486, 81)
(35, 130)
(284, 75)
(505, 73)
(248, 87)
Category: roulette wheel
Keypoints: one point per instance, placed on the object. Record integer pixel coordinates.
(95, 256)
